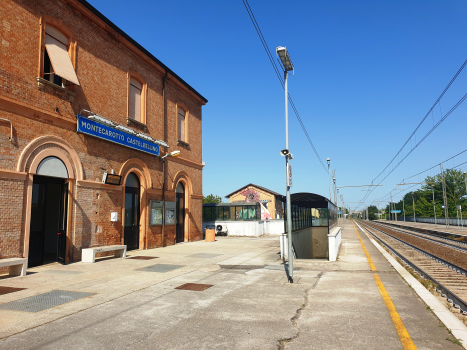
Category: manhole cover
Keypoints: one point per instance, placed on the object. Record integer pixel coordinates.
(44, 301)
(6, 290)
(160, 268)
(144, 257)
(197, 287)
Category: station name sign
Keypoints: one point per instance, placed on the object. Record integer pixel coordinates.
(93, 128)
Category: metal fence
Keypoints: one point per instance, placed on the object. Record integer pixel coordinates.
(439, 221)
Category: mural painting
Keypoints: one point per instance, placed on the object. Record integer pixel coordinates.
(252, 196)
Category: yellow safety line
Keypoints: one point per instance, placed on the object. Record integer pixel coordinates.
(404, 336)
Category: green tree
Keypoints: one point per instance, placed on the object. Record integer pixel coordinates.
(211, 199)
(455, 189)
(373, 212)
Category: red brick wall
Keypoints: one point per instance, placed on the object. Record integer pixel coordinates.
(102, 65)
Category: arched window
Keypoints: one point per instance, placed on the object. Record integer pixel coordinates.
(52, 166)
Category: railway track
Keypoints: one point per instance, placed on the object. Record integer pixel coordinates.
(452, 243)
(449, 278)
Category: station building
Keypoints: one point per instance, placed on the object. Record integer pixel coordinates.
(86, 115)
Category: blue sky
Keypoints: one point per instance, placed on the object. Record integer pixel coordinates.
(366, 73)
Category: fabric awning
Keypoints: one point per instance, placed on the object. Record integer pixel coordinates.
(61, 62)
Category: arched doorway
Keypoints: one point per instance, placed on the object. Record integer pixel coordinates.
(47, 238)
(132, 212)
(180, 214)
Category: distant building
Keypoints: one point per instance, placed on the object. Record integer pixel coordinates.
(271, 202)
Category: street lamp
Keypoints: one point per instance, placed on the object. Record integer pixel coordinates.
(288, 67)
(171, 154)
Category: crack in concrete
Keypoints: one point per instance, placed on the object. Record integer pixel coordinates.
(294, 319)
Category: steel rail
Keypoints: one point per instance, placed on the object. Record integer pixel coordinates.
(446, 244)
(427, 231)
(450, 296)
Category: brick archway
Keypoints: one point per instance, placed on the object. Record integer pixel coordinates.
(140, 169)
(183, 178)
(30, 158)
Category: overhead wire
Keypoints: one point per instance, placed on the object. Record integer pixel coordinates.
(370, 190)
(278, 71)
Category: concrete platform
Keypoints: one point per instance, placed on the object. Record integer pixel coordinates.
(443, 228)
(333, 305)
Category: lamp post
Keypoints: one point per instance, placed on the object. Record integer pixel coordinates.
(288, 67)
(171, 154)
(329, 176)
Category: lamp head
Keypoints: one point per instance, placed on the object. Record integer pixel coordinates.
(285, 58)
(172, 154)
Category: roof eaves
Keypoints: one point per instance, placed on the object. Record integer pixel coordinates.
(250, 184)
(141, 48)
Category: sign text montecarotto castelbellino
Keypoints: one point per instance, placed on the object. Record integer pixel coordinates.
(93, 128)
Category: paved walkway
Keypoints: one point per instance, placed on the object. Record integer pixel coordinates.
(133, 304)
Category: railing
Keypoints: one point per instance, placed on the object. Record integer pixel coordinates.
(439, 221)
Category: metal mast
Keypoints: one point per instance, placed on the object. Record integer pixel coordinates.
(445, 198)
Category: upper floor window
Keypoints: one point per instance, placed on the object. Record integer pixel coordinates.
(57, 68)
(135, 99)
(181, 125)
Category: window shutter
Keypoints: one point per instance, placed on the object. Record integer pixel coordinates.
(56, 34)
(135, 100)
(181, 124)
(58, 54)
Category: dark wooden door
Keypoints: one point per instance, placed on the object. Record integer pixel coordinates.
(61, 232)
(180, 214)
(132, 213)
(47, 234)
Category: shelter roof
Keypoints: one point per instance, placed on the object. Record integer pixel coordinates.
(309, 200)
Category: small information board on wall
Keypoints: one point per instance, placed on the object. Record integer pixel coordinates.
(155, 213)
(170, 213)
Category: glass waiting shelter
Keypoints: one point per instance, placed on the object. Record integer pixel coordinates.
(311, 210)
(313, 217)
(231, 211)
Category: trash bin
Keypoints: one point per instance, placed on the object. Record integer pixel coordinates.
(210, 235)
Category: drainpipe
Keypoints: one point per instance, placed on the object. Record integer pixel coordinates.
(163, 161)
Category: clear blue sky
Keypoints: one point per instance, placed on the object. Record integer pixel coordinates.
(366, 73)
